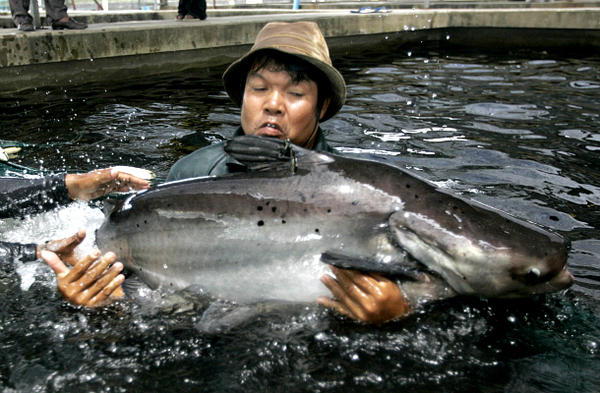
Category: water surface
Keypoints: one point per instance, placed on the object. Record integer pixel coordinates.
(519, 132)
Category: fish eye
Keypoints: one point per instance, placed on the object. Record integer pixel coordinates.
(533, 275)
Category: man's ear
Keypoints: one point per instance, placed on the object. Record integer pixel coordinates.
(324, 108)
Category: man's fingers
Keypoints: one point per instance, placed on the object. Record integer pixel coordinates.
(345, 294)
(82, 265)
(68, 243)
(355, 285)
(55, 263)
(94, 293)
(107, 276)
(336, 306)
(111, 291)
(91, 274)
(368, 283)
(128, 182)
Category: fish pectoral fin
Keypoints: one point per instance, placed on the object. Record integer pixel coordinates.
(133, 284)
(365, 264)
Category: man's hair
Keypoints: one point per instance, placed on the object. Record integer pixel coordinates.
(298, 69)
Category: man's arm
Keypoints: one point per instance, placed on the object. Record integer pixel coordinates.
(26, 196)
(27, 252)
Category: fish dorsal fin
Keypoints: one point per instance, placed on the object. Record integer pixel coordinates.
(109, 205)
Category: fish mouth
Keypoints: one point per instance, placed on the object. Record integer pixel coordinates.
(562, 280)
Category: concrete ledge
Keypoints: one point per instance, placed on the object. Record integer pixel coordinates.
(124, 50)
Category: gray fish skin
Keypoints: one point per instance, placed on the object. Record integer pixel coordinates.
(260, 236)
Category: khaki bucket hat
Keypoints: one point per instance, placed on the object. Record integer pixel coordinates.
(301, 39)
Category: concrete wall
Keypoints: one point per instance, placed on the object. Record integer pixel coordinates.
(133, 49)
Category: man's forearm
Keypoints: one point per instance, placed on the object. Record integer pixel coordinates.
(26, 196)
(27, 252)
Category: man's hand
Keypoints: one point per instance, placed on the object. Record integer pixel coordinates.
(88, 283)
(94, 184)
(64, 248)
(367, 297)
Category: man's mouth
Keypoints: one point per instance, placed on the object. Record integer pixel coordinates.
(271, 129)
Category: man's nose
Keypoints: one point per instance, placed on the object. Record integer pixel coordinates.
(274, 103)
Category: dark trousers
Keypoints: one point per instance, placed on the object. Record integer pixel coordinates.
(55, 10)
(195, 8)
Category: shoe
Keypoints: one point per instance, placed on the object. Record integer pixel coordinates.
(70, 24)
(201, 17)
(363, 10)
(25, 26)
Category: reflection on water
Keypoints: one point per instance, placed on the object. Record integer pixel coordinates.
(519, 132)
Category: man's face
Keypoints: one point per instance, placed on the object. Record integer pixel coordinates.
(275, 105)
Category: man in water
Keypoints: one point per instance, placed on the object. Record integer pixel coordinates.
(286, 85)
(86, 284)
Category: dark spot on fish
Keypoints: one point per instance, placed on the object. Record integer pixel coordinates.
(416, 196)
(260, 223)
(274, 209)
(328, 210)
(554, 218)
(317, 230)
(354, 203)
(259, 208)
(302, 197)
(283, 221)
(137, 225)
(313, 196)
(408, 186)
(145, 222)
(454, 207)
(267, 203)
(305, 210)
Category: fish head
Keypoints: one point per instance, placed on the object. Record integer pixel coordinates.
(481, 251)
(540, 274)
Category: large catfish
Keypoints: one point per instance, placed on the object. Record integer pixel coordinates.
(264, 234)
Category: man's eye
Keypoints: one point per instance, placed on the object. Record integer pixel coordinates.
(297, 94)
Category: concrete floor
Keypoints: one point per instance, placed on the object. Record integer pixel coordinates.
(119, 45)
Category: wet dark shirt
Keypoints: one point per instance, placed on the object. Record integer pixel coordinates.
(212, 160)
(19, 197)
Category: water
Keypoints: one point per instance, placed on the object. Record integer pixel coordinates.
(520, 132)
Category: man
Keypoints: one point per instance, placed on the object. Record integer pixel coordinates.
(56, 12)
(87, 283)
(286, 85)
